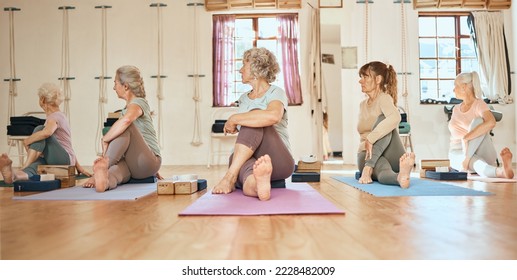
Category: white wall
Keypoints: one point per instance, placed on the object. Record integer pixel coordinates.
(428, 122)
(132, 39)
(331, 84)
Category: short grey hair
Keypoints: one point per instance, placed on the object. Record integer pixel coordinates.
(130, 75)
(263, 63)
(51, 94)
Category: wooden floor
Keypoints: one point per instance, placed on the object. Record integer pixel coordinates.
(461, 227)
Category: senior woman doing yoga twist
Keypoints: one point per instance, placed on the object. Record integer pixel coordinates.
(130, 148)
(381, 155)
(262, 151)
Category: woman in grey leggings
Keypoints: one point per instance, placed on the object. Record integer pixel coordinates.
(50, 143)
(381, 156)
(130, 148)
(262, 152)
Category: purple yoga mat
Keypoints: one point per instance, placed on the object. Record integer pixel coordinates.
(296, 198)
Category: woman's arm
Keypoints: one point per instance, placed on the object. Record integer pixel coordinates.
(133, 112)
(46, 132)
(256, 118)
(391, 121)
(482, 129)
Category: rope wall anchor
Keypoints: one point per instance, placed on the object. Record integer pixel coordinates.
(103, 96)
(405, 72)
(159, 76)
(13, 90)
(65, 61)
(196, 135)
(366, 26)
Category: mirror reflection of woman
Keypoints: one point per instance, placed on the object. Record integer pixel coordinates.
(49, 144)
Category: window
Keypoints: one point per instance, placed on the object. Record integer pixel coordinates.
(446, 49)
(234, 34)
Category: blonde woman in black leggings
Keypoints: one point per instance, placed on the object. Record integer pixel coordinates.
(262, 152)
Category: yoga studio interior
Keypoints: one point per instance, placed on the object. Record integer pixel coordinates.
(192, 81)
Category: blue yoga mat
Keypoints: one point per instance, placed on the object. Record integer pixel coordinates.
(418, 187)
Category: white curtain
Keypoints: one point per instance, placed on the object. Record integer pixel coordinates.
(491, 50)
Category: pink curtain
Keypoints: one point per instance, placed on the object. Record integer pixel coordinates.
(288, 39)
(223, 33)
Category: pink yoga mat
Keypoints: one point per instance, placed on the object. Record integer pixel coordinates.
(296, 198)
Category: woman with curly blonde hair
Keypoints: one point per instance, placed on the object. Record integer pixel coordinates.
(262, 151)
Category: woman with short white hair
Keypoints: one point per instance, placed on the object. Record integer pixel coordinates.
(471, 148)
(50, 143)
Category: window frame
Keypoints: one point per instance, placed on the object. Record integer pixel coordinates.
(457, 54)
(236, 80)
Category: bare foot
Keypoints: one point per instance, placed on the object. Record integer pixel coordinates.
(366, 175)
(506, 156)
(6, 168)
(262, 170)
(226, 185)
(90, 183)
(100, 173)
(406, 163)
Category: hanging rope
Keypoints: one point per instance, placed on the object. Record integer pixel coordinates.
(13, 91)
(366, 24)
(404, 57)
(196, 136)
(103, 97)
(65, 62)
(159, 76)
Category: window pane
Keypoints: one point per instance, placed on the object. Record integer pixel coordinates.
(268, 44)
(446, 89)
(467, 47)
(244, 28)
(428, 69)
(469, 65)
(445, 26)
(447, 69)
(268, 27)
(241, 46)
(428, 89)
(426, 26)
(464, 27)
(444, 56)
(427, 47)
(446, 48)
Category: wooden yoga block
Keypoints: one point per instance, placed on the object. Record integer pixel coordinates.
(165, 187)
(187, 187)
(66, 182)
(64, 173)
(433, 163)
(58, 170)
(305, 166)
